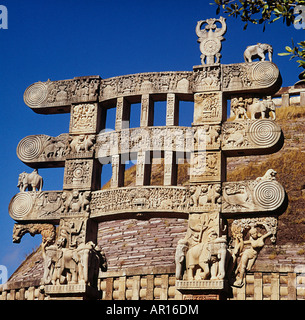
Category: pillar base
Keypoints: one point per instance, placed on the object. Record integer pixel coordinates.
(203, 289)
(71, 292)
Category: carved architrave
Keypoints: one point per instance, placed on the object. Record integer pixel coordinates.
(139, 199)
(261, 76)
(43, 150)
(208, 107)
(143, 83)
(31, 206)
(180, 139)
(47, 97)
(250, 136)
(251, 196)
(49, 205)
(78, 174)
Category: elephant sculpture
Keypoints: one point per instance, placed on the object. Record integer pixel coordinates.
(30, 181)
(181, 249)
(210, 257)
(90, 259)
(50, 258)
(262, 108)
(72, 265)
(258, 51)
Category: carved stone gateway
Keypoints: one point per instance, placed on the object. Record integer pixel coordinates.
(207, 262)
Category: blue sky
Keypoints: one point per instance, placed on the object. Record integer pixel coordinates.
(63, 39)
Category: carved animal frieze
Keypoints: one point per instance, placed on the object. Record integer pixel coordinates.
(76, 202)
(81, 146)
(250, 136)
(49, 205)
(262, 109)
(264, 194)
(205, 197)
(43, 150)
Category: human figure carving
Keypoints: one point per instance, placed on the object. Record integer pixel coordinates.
(249, 256)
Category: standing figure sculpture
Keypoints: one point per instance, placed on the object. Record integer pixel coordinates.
(249, 256)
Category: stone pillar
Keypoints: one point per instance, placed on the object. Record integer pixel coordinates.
(147, 111)
(143, 168)
(122, 113)
(172, 110)
(117, 178)
(285, 100)
(170, 168)
(302, 99)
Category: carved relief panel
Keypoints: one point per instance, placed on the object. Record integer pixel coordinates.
(206, 166)
(207, 78)
(208, 107)
(84, 118)
(78, 174)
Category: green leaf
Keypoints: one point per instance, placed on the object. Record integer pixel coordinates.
(301, 62)
(287, 48)
(284, 54)
(276, 11)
